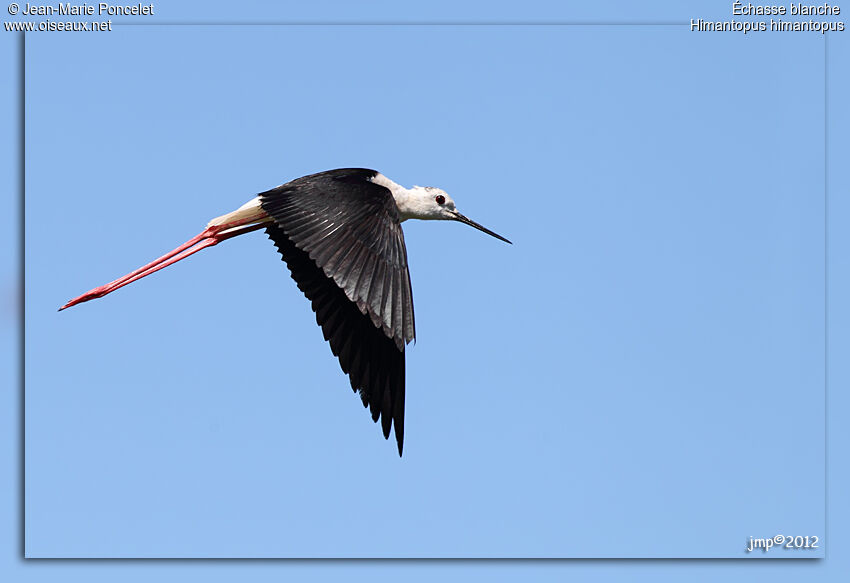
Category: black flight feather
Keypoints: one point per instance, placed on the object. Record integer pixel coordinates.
(340, 235)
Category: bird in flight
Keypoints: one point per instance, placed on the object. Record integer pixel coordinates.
(339, 233)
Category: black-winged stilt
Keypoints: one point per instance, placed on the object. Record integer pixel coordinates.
(339, 233)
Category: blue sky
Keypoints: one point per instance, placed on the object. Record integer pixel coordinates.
(640, 375)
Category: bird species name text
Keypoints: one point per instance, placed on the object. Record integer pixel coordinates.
(817, 22)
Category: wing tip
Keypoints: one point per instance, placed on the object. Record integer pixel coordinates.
(399, 436)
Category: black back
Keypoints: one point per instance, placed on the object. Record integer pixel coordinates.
(341, 238)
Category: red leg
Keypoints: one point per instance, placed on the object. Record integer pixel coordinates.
(209, 237)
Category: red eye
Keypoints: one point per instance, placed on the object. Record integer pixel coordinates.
(440, 199)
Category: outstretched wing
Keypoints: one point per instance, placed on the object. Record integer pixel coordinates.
(340, 236)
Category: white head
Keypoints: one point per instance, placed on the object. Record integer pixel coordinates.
(427, 203)
(434, 204)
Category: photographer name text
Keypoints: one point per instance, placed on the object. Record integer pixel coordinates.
(99, 9)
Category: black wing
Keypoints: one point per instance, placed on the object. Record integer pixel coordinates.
(341, 238)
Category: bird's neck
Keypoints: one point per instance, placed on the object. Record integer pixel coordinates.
(404, 197)
(410, 201)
